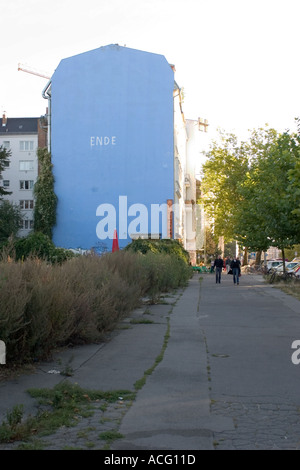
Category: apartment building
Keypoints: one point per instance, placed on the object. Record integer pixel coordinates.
(22, 136)
(112, 135)
(119, 132)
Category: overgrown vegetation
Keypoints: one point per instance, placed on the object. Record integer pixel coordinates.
(10, 213)
(166, 246)
(37, 245)
(288, 283)
(10, 220)
(291, 288)
(45, 305)
(45, 198)
(5, 155)
(60, 406)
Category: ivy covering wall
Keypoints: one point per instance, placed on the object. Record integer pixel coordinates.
(45, 198)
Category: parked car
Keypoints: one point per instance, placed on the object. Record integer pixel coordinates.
(273, 264)
(297, 271)
(289, 267)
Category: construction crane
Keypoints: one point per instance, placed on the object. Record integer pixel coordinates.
(25, 68)
(46, 92)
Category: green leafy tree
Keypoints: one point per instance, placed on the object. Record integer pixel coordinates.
(252, 190)
(5, 154)
(266, 215)
(223, 172)
(293, 252)
(294, 175)
(46, 200)
(249, 218)
(10, 219)
(282, 223)
(294, 187)
(211, 244)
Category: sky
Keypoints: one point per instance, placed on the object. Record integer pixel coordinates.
(237, 60)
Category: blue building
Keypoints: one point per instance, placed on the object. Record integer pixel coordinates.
(112, 139)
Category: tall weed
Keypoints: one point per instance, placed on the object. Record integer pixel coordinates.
(164, 273)
(14, 296)
(44, 305)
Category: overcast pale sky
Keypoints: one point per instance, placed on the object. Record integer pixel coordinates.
(237, 60)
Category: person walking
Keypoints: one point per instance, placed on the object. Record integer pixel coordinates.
(236, 270)
(227, 262)
(219, 263)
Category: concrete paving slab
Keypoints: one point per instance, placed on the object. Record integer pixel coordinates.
(226, 379)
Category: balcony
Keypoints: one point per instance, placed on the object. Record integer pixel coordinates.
(187, 180)
(178, 189)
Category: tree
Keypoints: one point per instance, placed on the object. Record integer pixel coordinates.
(266, 216)
(249, 220)
(10, 219)
(46, 200)
(294, 175)
(223, 172)
(294, 187)
(293, 252)
(252, 190)
(282, 223)
(211, 244)
(5, 154)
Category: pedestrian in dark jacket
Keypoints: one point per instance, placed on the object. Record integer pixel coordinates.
(227, 262)
(236, 270)
(219, 266)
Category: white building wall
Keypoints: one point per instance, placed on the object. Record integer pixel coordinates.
(21, 173)
(190, 144)
(180, 139)
(197, 145)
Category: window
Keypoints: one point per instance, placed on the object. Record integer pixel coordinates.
(26, 204)
(26, 165)
(6, 144)
(6, 183)
(26, 224)
(26, 145)
(26, 184)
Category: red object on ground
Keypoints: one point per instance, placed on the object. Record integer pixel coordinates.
(115, 244)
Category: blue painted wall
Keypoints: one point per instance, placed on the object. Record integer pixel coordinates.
(111, 142)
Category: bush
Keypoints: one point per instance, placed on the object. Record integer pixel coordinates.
(166, 246)
(38, 245)
(13, 301)
(164, 273)
(45, 305)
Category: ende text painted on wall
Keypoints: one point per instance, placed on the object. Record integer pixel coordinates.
(105, 140)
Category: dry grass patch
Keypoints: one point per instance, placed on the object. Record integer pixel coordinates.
(291, 288)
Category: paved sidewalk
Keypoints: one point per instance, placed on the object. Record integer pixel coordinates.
(226, 380)
(116, 364)
(249, 331)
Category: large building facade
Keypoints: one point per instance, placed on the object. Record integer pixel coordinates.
(112, 146)
(123, 153)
